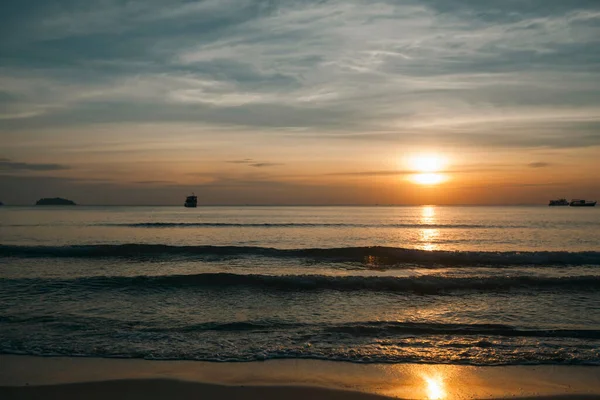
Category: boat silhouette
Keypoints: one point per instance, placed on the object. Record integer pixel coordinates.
(582, 203)
(559, 202)
(191, 201)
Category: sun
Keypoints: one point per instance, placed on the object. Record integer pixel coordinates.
(427, 168)
(427, 163)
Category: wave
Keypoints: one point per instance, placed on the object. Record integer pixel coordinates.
(299, 225)
(375, 329)
(368, 255)
(260, 340)
(272, 225)
(529, 357)
(384, 328)
(216, 281)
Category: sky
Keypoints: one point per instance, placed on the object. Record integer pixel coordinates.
(299, 102)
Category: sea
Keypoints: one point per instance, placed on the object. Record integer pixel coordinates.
(429, 284)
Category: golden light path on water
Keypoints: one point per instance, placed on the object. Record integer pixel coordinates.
(428, 215)
(427, 236)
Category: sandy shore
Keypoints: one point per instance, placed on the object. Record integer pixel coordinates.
(23, 377)
(172, 389)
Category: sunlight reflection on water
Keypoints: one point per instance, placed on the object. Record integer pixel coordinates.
(428, 236)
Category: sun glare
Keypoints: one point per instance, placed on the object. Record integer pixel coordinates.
(428, 168)
(427, 163)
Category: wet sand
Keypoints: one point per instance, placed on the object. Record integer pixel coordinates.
(24, 377)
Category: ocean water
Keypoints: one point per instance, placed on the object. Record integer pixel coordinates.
(459, 285)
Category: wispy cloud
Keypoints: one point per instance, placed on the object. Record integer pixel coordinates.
(244, 161)
(153, 182)
(252, 163)
(412, 172)
(327, 65)
(12, 166)
(265, 164)
(539, 164)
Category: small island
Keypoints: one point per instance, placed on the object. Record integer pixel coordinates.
(56, 201)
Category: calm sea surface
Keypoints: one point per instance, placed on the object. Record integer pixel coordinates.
(463, 285)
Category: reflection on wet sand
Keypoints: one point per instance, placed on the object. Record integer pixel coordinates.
(401, 381)
(434, 387)
(430, 382)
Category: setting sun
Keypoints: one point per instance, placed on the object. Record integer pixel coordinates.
(427, 163)
(427, 168)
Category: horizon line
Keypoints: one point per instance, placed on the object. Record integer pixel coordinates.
(282, 205)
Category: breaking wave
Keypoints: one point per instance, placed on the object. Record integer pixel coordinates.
(299, 225)
(376, 255)
(214, 281)
(375, 329)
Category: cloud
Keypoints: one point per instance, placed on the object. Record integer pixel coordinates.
(7, 165)
(478, 133)
(372, 173)
(265, 164)
(412, 172)
(538, 165)
(153, 182)
(332, 65)
(252, 163)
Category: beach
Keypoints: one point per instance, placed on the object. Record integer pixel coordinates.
(25, 377)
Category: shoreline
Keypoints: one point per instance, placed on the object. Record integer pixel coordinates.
(66, 377)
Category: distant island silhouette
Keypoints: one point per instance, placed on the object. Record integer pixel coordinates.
(56, 201)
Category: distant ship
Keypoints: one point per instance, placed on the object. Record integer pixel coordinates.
(191, 201)
(559, 202)
(582, 203)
